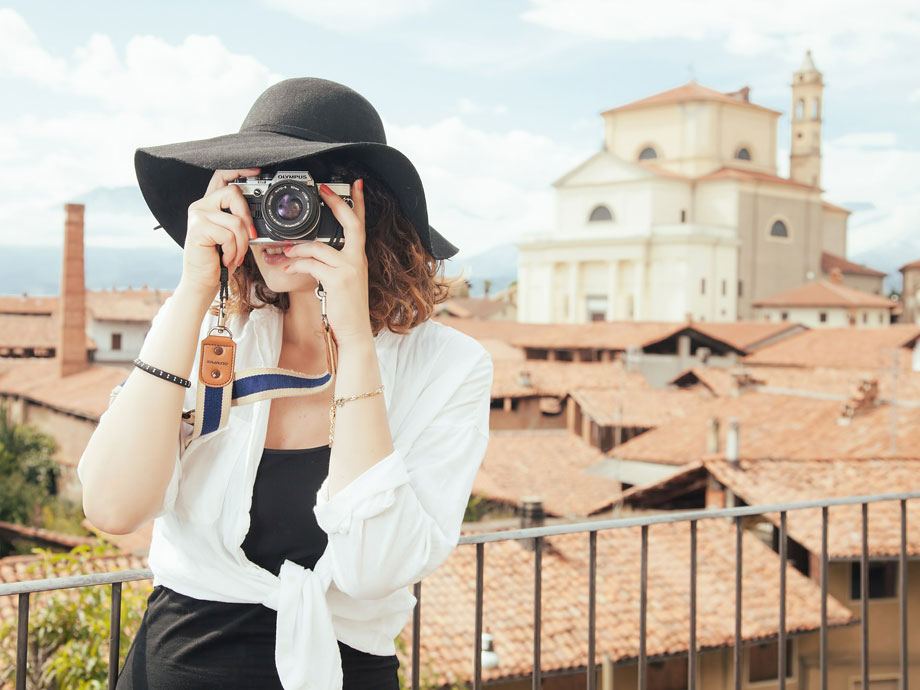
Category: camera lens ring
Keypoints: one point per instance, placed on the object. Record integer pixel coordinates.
(291, 210)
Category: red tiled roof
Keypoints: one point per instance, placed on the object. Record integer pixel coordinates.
(548, 464)
(865, 348)
(106, 305)
(448, 600)
(780, 426)
(31, 331)
(689, 92)
(912, 264)
(730, 173)
(85, 393)
(471, 307)
(831, 261)
(558, 378)
(646, 409)
(46, 537)
(824, 293)
(831, 207)
(762, 481)
(745, 335)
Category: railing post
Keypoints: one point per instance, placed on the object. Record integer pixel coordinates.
(592, 608)
(691, 653)
(902, 593)
(864, 598)
(416, 635)
(114, 634)
(537, 611)
(738, 608)
(781, 633)
(477, 643)
(822, 654)
(643, 608)
(22, 641)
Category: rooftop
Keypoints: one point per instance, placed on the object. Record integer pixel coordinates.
(865, 348)
(831, 261)
(825, 293)
(556, 379)
(689, 92)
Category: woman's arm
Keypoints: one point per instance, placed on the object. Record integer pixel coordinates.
(132, 455)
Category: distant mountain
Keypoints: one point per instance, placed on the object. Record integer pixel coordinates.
(37, 270)
(497, 265)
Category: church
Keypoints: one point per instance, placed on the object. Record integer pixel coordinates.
(682, 214)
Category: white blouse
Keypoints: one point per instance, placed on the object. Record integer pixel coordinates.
(387, 529)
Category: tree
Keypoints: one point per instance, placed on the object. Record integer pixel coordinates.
(28, 471)
(69, 629)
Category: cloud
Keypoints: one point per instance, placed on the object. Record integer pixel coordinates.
(153, 92)
(360, 15)
(841, 32)
(485, 188)
(869, 174)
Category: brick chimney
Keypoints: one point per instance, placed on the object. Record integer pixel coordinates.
(532, 515)
(71, 350)
(836, 276)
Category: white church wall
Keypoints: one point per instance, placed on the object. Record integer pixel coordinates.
(752, 129)
(131, 333)
(834, 317)
(716, 203)
(630, 205)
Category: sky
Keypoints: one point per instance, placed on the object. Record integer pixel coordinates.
(492, 101)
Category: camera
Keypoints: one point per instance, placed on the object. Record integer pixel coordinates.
(286, 207)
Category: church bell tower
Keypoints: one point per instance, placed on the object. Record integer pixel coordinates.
(805, 148)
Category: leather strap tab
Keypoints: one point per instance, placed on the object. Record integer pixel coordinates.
(217, 358)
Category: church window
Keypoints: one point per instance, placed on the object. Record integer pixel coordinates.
(779, 229)
(815, 112)
(683, 215)
(740, 288)
(822, 317)
(800, 109)
(743, 154)
(702, 286)
(648, 153)
(600, 213)
(724, 288)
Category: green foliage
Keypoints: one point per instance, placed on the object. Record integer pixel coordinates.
(28, 472)
(69, 629)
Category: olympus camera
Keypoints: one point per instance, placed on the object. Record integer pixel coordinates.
(286, 208)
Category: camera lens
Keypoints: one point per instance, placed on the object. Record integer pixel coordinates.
(291, 210)
(288, 207)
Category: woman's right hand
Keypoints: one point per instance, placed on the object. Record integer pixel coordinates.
(209, 226)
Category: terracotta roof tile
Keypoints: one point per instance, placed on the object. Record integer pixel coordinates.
(865, 348)
(831, 261)
(448, 600)
(730, 173)
(780, 426)
(35, 567)
(85, 393)
(912, 264)
(548, 464)
(689, 92)
(824, 293)
(471, 307)
(109, 305)
(832, 207)
(31, 331)
(558, 378)
(637, 408)
(45, 537)
(765, 481)
(746, 335)
(716, 380)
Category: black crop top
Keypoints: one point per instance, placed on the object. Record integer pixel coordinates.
(185, 642)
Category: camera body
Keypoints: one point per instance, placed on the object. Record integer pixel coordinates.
(286, 208)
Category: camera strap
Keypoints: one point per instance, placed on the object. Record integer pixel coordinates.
(221, 387)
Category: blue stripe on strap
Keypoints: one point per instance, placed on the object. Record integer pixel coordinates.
(259, 383)
(213, 401)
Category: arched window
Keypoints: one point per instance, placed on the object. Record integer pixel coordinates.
(800, 109)
(648, 153)
(743, 154)
(779, 229)
(815, 110)
(600, 213)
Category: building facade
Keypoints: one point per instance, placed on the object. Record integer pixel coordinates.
(682, 213)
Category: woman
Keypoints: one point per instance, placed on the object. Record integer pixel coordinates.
(282, 549)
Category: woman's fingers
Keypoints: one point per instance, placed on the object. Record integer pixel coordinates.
(221, 178)
(315, 250)
(212, 234)
(323, 272)
(352, 225)
(240, 231)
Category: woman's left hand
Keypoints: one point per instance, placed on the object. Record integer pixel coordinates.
(343, 273)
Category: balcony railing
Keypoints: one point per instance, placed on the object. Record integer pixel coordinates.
(25, 589)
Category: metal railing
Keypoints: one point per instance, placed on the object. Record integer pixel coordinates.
(25, 589)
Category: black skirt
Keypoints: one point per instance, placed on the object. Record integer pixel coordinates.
(187, 643)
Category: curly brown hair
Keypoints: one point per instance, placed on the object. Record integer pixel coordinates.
(404, 281)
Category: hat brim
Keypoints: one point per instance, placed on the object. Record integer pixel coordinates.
(173, 176)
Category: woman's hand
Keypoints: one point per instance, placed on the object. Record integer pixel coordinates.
(209, 226)
(343, 273)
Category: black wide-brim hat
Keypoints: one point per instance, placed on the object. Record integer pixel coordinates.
(290, 121)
